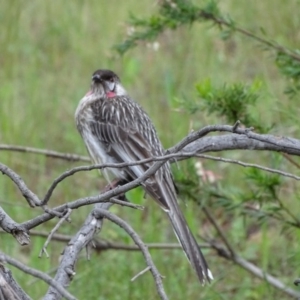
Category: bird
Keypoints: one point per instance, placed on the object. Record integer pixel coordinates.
(116, 129)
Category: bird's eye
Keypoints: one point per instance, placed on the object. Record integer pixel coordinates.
(111, 79)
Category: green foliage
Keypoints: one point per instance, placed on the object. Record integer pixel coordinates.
(290, 67)
(266, 182)
(230, 102)
(171, 15)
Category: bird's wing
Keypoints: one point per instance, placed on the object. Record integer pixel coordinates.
(128, 145)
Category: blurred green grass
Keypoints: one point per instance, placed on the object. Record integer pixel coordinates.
(49, 50)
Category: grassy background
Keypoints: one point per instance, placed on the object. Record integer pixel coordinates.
(49, 50)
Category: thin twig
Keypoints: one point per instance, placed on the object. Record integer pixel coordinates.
(140, 273)
(102, 245)
(236, 125)
(248, 266)
(273, 216)
(219, 230)
(31, 198)
(46, 152)
(59, 223)
(292, 161)
(270, 44)
(125, 203)
(248, 165)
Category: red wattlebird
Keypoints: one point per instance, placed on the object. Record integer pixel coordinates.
(116, 129)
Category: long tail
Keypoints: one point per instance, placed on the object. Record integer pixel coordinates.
(167, 193)
(190, 246)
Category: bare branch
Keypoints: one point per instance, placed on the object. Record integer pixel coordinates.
(138, 241)
(18, 231)
(36, 273)
(249, 141)
(84, 236)
(46, 152)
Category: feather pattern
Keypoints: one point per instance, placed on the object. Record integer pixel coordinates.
(116, 129)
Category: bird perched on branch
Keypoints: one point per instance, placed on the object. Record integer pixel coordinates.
(116, 129)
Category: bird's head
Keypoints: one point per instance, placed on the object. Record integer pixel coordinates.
(107, 83)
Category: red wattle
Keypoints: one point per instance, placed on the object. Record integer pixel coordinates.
(110, 94)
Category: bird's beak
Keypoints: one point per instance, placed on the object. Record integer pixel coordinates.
(96, 78)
